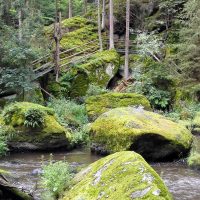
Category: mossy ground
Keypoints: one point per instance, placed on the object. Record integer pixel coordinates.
(123, 175)
(118, 129)
(96, 105)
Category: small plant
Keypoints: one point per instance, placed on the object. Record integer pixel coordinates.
(34, 118)
(55, 179)
(81, 136)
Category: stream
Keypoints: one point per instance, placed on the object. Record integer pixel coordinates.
(183, 183)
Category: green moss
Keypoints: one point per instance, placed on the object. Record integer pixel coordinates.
(96, 105)
(123, 175)
(51, 130)
(121, 128)
(55, 89)
(74, 22)
(98, 70)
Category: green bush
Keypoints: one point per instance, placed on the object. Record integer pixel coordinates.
(81, 136)
(55, 179)
(34, 118)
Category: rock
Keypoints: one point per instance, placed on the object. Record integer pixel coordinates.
(196, 124)
(194, 157)
(120, 176)
(150, 134)
(96, 105)
(35, 128)
(10, 192)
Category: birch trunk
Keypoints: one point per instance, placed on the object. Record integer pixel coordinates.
(126, 66)
(99, 25)
(103, 14)
(111, 25)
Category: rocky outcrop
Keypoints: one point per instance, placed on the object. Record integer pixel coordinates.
(123, 175)
(35, 127)
(96, 105)
(150, 134)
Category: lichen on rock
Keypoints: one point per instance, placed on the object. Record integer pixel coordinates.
(148, 133)
(96, 105)
(123, 175)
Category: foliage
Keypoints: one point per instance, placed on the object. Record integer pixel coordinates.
(185, 111)
(55, 179)
(68, 112)
(148, 44)
(6, 134)
(34, 118)
(160, 99)
(80, 136)
(95, 90)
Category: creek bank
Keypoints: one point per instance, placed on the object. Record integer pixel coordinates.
(123, 175)
(149, 134)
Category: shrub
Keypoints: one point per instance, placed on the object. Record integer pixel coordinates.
(55, 179)
(34, 118)
(81, 136)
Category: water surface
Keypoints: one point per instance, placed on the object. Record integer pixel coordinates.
(184, 183)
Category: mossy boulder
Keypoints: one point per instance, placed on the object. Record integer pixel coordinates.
(196, 124)
(96, 105)
(98, 69)
(194, 157)
(150, 134)
(123, 175)
(36, 127)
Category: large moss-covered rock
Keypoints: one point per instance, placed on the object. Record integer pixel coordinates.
(98, 70)
(96, 105)
(36, 127)
(148, 133)
(123, 175)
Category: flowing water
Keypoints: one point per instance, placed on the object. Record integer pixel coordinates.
(184, 183)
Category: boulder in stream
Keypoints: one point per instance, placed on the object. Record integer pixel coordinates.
(152, 135)
(120, 176)
(35, 127)
(96, 105)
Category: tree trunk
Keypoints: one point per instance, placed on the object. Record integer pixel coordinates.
(57, 38)
(70, 9)
(126, 66)
(103, 14)
(85, 6)
(20, 24)
(111, 26)
(99, 25)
